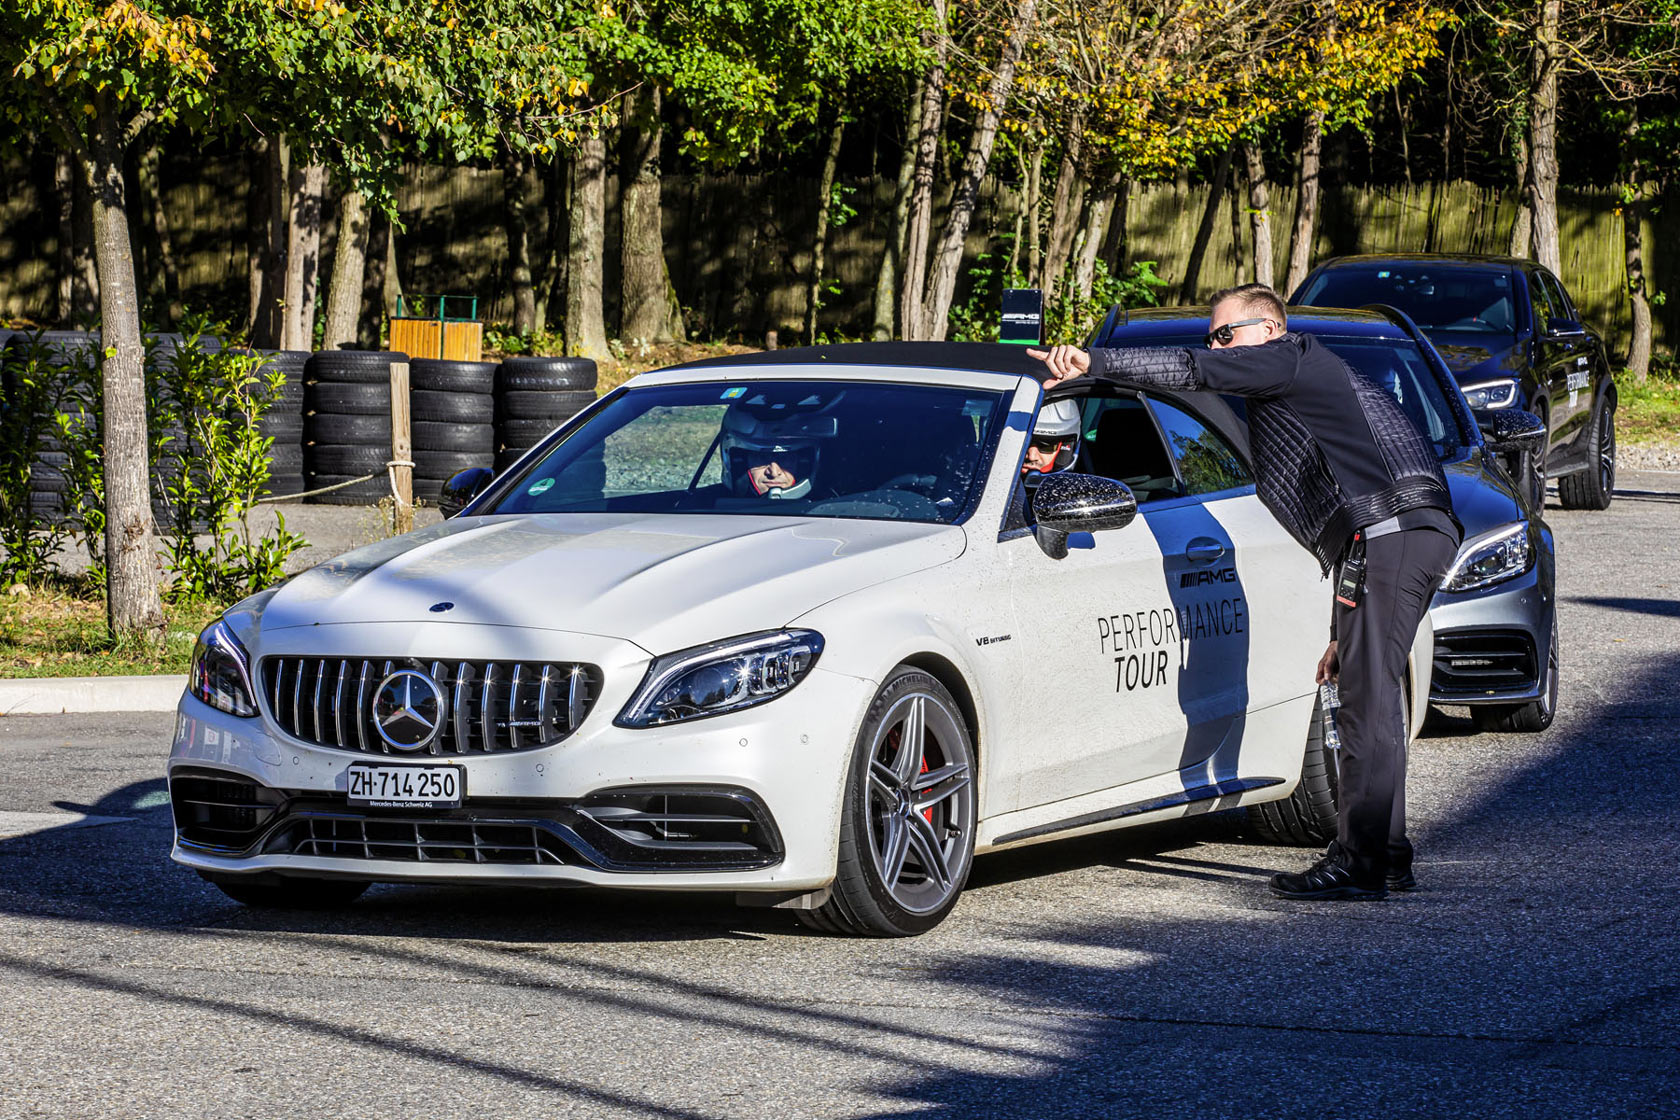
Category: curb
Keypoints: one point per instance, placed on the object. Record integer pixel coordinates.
(41, 696)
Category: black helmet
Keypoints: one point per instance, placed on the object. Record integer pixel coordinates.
(791, 436)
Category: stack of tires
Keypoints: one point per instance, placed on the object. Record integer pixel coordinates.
(63, 349)
(283, 421)
(347, 424)
(533, 397)
(451, 418)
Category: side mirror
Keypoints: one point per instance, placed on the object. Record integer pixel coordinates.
(1564, 328)
(463, 488)
(1512, 429)
(1079, 503)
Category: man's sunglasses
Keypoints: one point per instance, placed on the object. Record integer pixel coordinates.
(1223, 335)
(1046, 444)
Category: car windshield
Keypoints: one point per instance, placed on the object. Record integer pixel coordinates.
(1444, 298)
(1398, 365)
(849, 449)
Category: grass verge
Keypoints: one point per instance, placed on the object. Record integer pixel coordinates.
(54, 632)
(1649, 413)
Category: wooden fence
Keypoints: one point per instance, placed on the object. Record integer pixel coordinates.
(738, 245)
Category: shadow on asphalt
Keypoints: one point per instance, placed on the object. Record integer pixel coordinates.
(1534, 974)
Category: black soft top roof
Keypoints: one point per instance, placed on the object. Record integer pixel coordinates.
(980, 357)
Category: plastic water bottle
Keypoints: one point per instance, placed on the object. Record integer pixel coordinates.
(1329, 699)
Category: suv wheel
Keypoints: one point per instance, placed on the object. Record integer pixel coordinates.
(1593, 487)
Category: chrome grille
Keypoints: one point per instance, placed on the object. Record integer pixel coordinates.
(422, 841)
(489, 705)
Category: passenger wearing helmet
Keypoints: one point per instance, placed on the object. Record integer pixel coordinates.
(772, 451)
(1055, 439)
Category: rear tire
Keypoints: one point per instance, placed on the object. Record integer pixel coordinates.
(277, 893)
(1594, 487)
(1307, 817)
(908, 820)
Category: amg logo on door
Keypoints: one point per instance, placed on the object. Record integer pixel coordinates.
(1202, 579)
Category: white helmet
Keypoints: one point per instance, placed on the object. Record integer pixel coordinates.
(1058, 422)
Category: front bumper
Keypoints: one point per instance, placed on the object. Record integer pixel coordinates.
(743, 802)
(1491, 644)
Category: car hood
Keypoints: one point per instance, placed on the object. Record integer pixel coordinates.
(1475, 356)
(1482, 496)
(662, 581)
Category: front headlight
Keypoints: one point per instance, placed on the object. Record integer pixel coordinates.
(221, 672)
(721, 677)
(1491, 559)
(1500, 394)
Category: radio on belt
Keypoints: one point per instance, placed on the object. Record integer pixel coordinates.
(1023, 316)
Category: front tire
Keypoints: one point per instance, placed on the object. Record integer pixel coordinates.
(265, 892)
(1307, 817)
(908, 820)
(1536, 715)
(1593, 487)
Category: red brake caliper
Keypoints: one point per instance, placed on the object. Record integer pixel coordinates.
(928, 812)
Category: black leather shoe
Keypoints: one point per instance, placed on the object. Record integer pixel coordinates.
(1401, 880)
(1326, 879)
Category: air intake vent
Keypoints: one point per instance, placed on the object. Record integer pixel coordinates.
(488, 706)
(218, 810)
(1470, 663)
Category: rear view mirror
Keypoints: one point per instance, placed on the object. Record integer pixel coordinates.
(463, 488)
(1512, 429)
(1079, 503)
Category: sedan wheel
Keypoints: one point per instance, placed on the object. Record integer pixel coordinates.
(907, 833)
(1593, 487)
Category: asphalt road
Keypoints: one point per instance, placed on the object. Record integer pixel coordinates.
(1147, 972)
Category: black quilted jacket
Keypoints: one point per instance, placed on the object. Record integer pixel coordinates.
(1332, 451)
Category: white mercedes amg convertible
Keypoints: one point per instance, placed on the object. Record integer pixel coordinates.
(812, 627)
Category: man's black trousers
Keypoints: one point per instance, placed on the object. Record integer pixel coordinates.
(1372, 642)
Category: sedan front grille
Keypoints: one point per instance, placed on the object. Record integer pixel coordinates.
(488, 706)
(1470, 663)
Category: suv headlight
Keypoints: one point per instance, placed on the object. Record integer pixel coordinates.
(1491, 559)
(1500, 394)
(721, 677)
(221, 672)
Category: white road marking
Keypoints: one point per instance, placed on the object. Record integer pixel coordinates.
(13, 825)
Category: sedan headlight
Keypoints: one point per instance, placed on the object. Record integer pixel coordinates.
(1491, 559)
(721, 677)
(221, 672)
(1499, 394)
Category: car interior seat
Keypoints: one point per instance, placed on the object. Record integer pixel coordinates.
(1126, 447)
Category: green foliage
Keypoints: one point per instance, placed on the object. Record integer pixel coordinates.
(1070, 316)
(210, 466)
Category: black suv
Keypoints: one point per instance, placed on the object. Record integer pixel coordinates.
(1513, 339)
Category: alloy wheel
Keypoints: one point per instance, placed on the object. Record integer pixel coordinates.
(920, 802)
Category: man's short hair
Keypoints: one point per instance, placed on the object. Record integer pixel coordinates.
(1256, 299)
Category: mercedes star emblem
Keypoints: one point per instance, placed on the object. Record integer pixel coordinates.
(408, 710)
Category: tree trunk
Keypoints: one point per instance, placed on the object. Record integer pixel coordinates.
(825, 204)
(1305, 227)
(374, 307)
(947, 259)
(257, 206)
(1522, 226)
(586, 331)
(133, 606)
(1542, 122)
(886, 279)
(912, 288)
(1189, 290)
(1065, 206)
(64, 197)
(87, 295)
(393, 288)
(344, 295)
(1099, 205)
(1114, 246)
(551, 279)
(272, 317)
(1633, 249)
(1239, 262)
(1035, 219)
(166, 278)
(303, 255)
(516, 226)
(650, 311)
(1259, 213)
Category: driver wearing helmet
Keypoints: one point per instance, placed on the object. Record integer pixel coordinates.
(1055, 439)
(772, 452)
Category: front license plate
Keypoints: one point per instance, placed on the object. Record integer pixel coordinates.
(405, 787)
